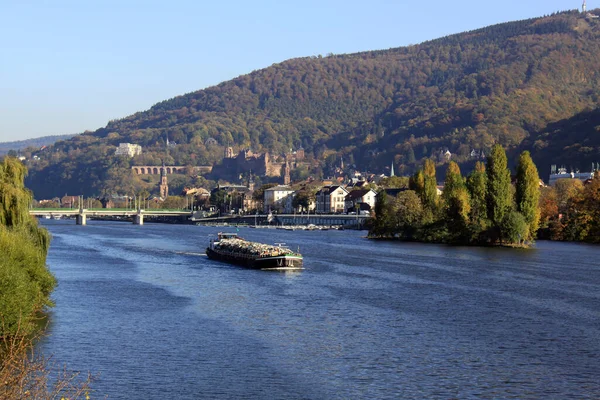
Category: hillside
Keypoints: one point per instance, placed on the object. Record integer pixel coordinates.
(499, 84)
(5, 147)
(573, 143)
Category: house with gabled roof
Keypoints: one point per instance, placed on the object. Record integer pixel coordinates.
(330, 199)
(364, 199)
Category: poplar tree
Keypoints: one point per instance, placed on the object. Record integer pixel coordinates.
(456, 202)
(477, 187)
(430, 185)
(417, 183)
(499, 196)
(528, 192)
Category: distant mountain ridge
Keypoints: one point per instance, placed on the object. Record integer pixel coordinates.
(5, 147)
(464, 92)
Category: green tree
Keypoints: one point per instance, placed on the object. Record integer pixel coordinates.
(384, 218)
(513, 227)
(456, 203)
(25, 282)
(477, 186)
(409, 214)
(499, 194)
(174, 203)
(528, 193)
(303, 199)
(430, 196)
(417, 183)
(399, 182)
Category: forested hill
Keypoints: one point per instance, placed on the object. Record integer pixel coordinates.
(5, 147)
(462, 92)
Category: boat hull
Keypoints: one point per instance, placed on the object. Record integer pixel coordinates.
(284, 262)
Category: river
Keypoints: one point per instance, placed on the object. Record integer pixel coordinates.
(143, 309)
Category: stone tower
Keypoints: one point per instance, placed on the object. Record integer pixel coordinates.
(163, 188)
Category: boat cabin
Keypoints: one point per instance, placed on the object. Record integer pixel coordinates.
(224, 235)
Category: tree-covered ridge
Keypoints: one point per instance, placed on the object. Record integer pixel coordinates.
(573, 143)
(15, 146)
(462, 92)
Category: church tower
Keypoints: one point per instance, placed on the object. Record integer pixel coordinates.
(163, 188)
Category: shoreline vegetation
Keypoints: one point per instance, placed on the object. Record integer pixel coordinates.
(484, 209)
(25, 288)
(488, 208)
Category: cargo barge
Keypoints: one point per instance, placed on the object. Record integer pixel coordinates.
(229, 247)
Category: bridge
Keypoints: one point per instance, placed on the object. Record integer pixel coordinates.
(287, 219)
(81, 214)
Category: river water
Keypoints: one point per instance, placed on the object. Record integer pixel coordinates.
(143, 309)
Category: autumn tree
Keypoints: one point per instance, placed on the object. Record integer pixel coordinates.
(408, 214)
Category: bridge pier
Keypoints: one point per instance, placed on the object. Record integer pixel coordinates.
(81, 219)
(138, 219)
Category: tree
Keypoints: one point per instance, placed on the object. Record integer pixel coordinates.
(528, 193)
(456, 203)
(174, 203)
(417, 183)
(25, 282)
(303, 199)
(384, 218)
(259, 195)
(499, 196)
(399, 182)
(477, 186)
(430, 197)
(409, 213)
(513, 227)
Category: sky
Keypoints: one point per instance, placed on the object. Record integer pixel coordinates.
(71, 66)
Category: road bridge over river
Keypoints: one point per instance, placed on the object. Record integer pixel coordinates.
(82, 214)
(137, 216)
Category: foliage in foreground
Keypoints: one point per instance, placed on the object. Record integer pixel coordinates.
(25, 288)
(25, 282)
(484, 209)
(24, 374)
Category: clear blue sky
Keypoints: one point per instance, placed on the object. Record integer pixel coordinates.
(70, 66)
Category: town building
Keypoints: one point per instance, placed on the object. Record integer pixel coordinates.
(561, 173)
(330, 199)
(128, 149)
(275, 198)
(362, 199)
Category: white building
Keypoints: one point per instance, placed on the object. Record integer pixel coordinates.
(128, 149)
(363, 198)
(330, 199)
(563, 174)
(277, 198)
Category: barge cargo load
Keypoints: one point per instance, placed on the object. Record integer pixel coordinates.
(229, 247)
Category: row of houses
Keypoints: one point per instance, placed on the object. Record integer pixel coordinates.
(329, 199)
